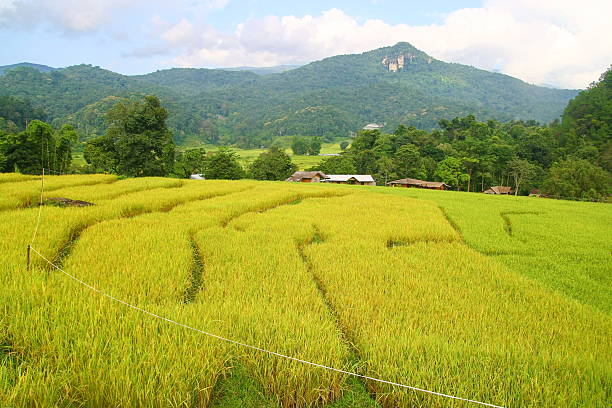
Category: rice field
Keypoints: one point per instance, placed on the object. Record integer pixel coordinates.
(502, 300)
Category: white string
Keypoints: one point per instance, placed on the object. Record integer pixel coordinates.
(255, 347)
(40, 205)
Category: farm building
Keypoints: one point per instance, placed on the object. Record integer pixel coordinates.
(307, 177)
(360, 179)
(408, 182)
(499, 190)
(373, 126)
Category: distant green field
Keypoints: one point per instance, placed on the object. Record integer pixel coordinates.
(247, 156)
(303, 162)
(499, 299)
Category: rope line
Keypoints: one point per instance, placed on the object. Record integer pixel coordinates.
(255, 347)
(40, 205)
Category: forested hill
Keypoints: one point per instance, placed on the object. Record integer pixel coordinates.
(38, 67)
(192, 81)
(332, 97)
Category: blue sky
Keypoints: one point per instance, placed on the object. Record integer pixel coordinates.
(540, 41)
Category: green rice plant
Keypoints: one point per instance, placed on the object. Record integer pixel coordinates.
(435, 314)
(13, 177)
(498, 299)
(562, 244)
(150, 246)
(114, 190)
(25, 193)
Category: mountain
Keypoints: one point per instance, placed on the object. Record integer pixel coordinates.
(190, 81)
(38, 67)
(329, 98)
(264, 70)
(398, 84)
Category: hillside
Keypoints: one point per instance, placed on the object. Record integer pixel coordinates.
(328, 98)
(495, 299)
(263, 70)
(191, 81)
(38, 67)
(420, 92)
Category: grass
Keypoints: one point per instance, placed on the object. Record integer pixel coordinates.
(248, 156)
(500, 299)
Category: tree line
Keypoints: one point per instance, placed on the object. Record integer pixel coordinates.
(571, 157)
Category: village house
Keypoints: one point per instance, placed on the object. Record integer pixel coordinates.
(373, 126)
(358, 179)
(307, 177)
(505, 190)
(415, 183)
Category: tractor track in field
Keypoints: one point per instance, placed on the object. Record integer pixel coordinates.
(293, 199)
(196, 279)
(74, 235)
(32, 201)
(345, 335)
(508, 223)
(409, 242)
(145, 188)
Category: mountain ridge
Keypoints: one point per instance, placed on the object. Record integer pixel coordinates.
(329, 98)
(39, 67)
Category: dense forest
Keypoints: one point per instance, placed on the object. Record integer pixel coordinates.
(329, 98)
(133, 135)
(569, 158)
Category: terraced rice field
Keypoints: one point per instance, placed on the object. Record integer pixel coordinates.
(501, 300)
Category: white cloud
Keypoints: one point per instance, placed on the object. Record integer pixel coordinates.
(557, 42)
(65, 15)
(84, 16)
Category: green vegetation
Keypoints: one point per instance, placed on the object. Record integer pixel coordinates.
(504, 300)
(567, 159)
(137, 142)
(306, 146)
(223, 164)
(39, 146)
(274, 164)
(15, 113)
(570, 158)
(319, 99)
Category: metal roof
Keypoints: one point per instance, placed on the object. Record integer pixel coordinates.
(362, 178)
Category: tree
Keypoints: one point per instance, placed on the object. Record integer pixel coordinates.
(223, 164)
(578, 178)
(337, 165)
(299, 146)
(273, 164)
(17, 113)
(522, 171)
(385, 170)
(313, 146)
(31, 150)
(344, 144)
(408, 162)
(587, 119)
(137, 141)
(101, 155)
(191, 161)
(66, 138)
(470, 164)
(451, 172)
